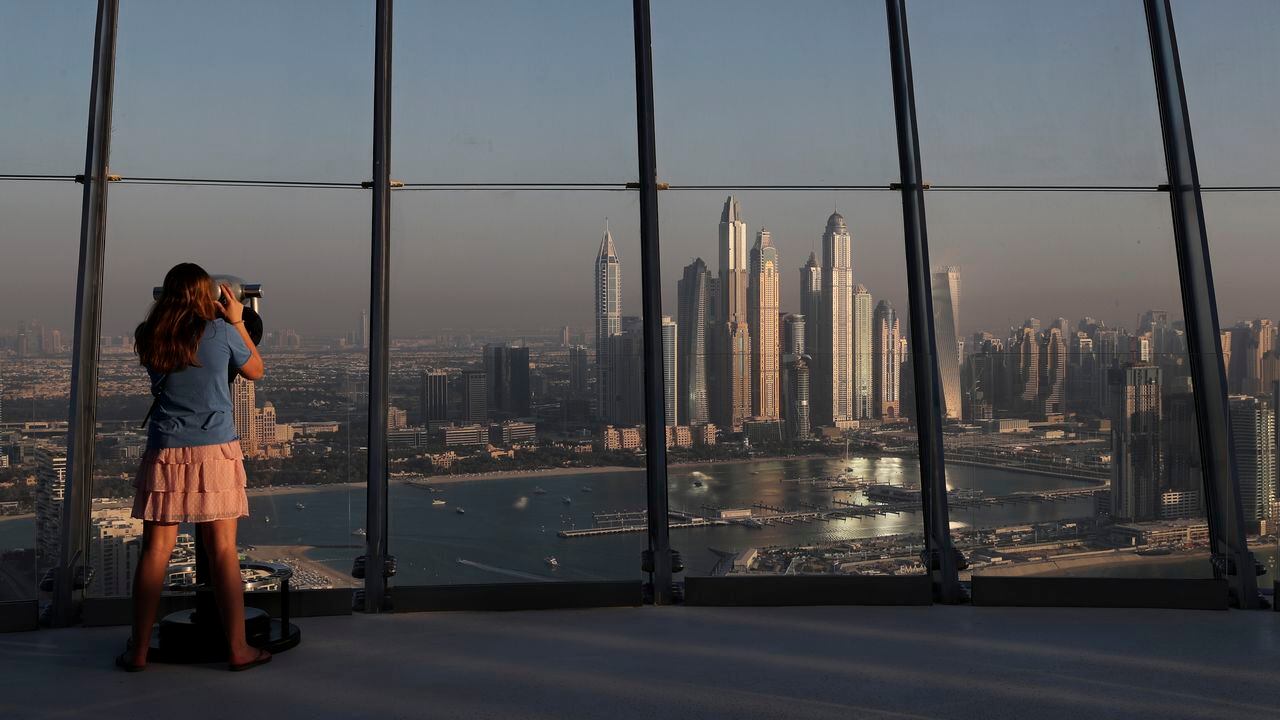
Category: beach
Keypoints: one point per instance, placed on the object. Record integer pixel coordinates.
(307, 573)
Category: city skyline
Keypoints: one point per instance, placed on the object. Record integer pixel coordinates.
(1011, 246)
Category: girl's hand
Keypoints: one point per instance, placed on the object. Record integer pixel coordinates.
(230, 308)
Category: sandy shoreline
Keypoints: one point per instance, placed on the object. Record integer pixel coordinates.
(307, 572)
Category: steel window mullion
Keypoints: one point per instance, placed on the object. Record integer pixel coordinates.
(651, 302)
(81, 433)
(941, 556)
(375, 583)
(1195, 274)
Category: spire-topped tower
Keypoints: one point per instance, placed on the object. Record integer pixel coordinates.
(733, 397)
(608, 307)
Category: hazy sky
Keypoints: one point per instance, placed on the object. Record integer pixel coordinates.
(747, 93)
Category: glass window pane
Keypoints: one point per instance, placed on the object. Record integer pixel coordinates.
(1014, 92)
(1242, 231)
(1233, 88)
(244, 90)
(756, 93)
(303, 427)
(514, 92)
(39, 237)
(46, 59)
(516, 453)
(1075, 417)
(781, 481)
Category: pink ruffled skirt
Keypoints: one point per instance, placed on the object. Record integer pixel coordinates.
(191, 484)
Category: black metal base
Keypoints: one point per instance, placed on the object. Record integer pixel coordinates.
(188, 637)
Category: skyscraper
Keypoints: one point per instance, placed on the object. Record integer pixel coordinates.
(795, 396)
(733, 391)
(507, 380)
(475, 397)
(51, 485)
(693, 321)
(886, 362)
(1053, 372)
(670, 369)
(811, 300)
(763, 319)
(794, 336)
(1253, 428)
(862, 355)
(625, 402)
(578, 363)
(946, 322)
(433, 397)
(608, 309)
(244, 404)
(1137, 456)
(1026, 370)
(831, 382)
(364, 330)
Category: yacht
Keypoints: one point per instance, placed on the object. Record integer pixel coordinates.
(567, 500)
(551, 561)
(359, 532)
(437, 502)
(539, 491)
(300, 506)
(460, 511)
(586, 488)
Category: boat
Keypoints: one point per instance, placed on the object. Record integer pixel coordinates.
(266, 519)
(755, 472)
(437, 502)
(697, 482)
(460, 511)
(586, 488)
(551, 561)
(539, 491)
(542, 528)
(300, 506)
(359, 532)
(567, 500)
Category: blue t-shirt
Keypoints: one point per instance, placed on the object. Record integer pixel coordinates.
(194, 406)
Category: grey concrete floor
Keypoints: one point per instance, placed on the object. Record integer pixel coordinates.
(924, 662)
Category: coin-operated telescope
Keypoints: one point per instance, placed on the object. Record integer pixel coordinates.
(195, 635)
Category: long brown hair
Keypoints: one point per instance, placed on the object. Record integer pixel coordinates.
(168, 339)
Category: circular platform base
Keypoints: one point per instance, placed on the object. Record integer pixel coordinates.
(183, 637)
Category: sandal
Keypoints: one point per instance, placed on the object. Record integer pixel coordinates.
(124, 662)
(263, 657)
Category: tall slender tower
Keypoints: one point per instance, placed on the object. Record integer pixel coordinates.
(1137, 455)
(831, 382)
(1253, 428)
(734, 396)
(946, 321)
(1026, 369)
(694, 321)
(811, 301)
(670, 369)
(886, 362)
(762, 297)
(244, 404)
(608, 306)
(862, 355)
(1053, 371)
